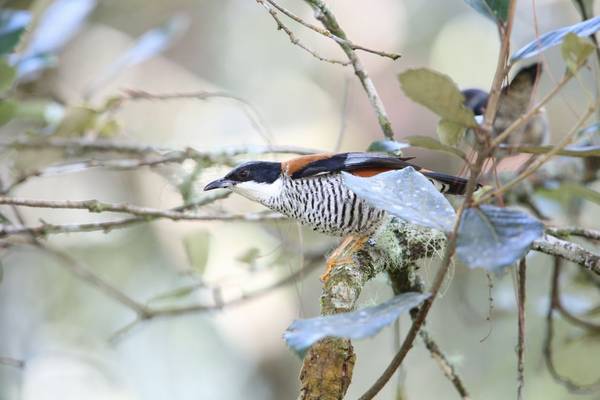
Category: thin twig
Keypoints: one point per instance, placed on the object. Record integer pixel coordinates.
(96, 206)
(573, 387)
(326, 17)
(521, 301)
(445, 365)
(218, 303)
(559, 306)
(96, 145)
(328, 34)
(294, 40)
(82, 272)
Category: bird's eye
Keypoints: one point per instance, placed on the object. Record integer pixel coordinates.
(244, 174)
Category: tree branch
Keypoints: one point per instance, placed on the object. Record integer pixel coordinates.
(329, 21)
(568, 251)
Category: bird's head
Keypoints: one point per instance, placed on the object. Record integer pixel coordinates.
(255, 180)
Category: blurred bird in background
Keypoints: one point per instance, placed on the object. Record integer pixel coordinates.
(515, 100)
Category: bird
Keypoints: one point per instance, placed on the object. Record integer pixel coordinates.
(310, 189)
(515, 99)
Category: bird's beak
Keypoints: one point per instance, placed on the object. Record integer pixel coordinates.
(219, 184)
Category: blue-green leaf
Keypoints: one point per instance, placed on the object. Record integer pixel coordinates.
(360, 324)
(406, 194)
(554, 38)
(496, 10)
(12, 26)
(387, 146)
(493, 238)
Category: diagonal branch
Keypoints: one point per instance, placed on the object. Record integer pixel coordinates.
(329, 21)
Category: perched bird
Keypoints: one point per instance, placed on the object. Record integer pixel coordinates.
(310, 189)
(515, 100)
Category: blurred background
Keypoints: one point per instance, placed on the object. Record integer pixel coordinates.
(61, 326)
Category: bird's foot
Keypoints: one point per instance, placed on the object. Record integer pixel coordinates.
(332, 263)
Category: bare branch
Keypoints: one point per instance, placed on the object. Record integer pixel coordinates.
(87, 145)
(329, 21)
(328, 34)
(568, 251)
(96, 206)
(521, 297)
(295, 41)
(547, 349)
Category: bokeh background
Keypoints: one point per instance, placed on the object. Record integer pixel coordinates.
(60, 326)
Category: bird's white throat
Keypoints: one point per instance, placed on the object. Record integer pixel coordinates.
(260, 192)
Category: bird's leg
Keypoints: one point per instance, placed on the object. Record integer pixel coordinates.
(343, 253)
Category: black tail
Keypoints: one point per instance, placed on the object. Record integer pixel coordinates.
(449, 184)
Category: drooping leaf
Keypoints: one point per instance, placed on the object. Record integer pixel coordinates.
(387, 146)
(406, 194)
(426, 142)
(496, 10)
(7, 76)
(149, 45)
(8, 108)
(575, 50)
(12, 26)
(450, 132)
(438, 93)
(556, 37)
(493, 238)
(301, 334)
(197, 246)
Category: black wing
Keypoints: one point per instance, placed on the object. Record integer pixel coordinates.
(351, 162)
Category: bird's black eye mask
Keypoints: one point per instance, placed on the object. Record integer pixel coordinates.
(255, 171)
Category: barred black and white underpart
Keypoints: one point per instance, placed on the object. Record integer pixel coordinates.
(324, 203)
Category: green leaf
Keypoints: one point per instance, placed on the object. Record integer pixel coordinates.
(8, 109)
(196, 248)
(554, 38)
(387, 146)
(7, 76)
(301, 334)
(438, 93)
(493, 238)
(426, 142)
(496, 10)
(77, 121)
(406, 194)
(450, 133)
(575, 51)
(12, 26)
